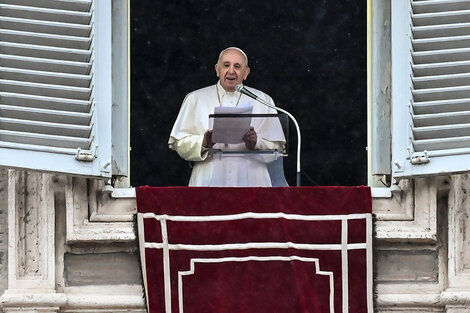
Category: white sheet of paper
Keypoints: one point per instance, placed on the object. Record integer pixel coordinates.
(231, 129)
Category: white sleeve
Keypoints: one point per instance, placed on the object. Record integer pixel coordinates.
(190, 148)
(265, 144)
(188, 131)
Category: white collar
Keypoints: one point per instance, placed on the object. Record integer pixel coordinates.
(222, 92)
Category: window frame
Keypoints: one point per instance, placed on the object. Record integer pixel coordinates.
(110, 102)
(400, 103)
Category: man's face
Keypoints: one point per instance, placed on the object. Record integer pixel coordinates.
(231, 69)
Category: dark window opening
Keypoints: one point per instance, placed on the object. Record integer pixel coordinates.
(310, 56)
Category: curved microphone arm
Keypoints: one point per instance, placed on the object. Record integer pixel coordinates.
(243, 90)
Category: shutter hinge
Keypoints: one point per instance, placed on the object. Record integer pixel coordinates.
(84, 155)
(419, 158)
(106, 167)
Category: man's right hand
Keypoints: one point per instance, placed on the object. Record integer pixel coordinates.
(207, 141)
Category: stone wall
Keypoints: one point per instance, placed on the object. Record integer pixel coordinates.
(59, 259)
(422, 272)
(3, 230)
(72, 247)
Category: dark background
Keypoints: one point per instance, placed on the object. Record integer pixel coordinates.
(310, 56)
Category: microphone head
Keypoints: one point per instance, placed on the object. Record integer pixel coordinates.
(243, 90)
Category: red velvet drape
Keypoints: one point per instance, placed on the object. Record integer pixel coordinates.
(254, 250)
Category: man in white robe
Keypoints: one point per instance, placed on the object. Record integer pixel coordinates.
(191, 136)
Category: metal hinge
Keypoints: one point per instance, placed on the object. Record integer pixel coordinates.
(85, 155)
(419, 158)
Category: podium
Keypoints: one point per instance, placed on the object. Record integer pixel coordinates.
(273, 159)
(270, 151)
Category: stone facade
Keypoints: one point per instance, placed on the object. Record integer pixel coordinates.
(55, 257)
(3, 230)
(67, 244)
(63, 240)
(423, 268)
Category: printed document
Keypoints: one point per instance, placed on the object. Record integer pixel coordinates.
(229, 124)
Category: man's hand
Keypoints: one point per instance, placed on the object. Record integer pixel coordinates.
(250, 139)
(207, 141)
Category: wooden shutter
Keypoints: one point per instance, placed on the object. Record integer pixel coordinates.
(430, 86)
(56, 85)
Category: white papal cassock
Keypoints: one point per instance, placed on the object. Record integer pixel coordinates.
(224, 171)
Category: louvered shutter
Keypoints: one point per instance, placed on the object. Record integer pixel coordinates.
(430, 87)
(56, 85)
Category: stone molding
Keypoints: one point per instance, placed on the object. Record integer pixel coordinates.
(452, 301)
(27, 301)
(32, 267)
(79, 198)
(410, 215)
(113, 299)
(111, 204)
(95, 214)
(31, 248)
(409, 300)
(31, 219)
(459, 229)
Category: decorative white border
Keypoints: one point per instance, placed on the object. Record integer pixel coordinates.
(258, 259)
(247, 215)
(344, 246)
(345, 264)
(255, 245)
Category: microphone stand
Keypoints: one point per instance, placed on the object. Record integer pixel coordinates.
(243, 90)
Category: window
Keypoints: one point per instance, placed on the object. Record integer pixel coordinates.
(430, 87)
(64, 86)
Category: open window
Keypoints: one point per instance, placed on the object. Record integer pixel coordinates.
(64, 95)
(430, 51)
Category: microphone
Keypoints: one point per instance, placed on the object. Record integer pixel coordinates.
(243, 90)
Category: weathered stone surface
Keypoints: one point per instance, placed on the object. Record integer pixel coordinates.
(102, 269)
(3, 229)
(412, 266)
(459, 232)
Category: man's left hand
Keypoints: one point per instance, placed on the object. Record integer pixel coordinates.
(250, 139)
